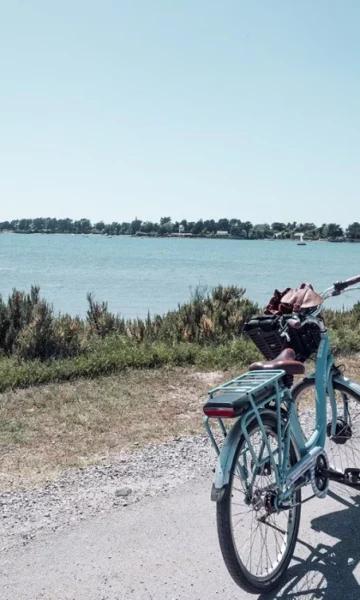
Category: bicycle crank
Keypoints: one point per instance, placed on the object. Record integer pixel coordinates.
(350, 477)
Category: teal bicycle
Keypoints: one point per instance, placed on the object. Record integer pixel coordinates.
(268, 454)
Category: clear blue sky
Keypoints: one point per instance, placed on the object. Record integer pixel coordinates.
(116, 109)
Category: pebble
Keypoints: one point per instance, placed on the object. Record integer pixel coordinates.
(126, 491)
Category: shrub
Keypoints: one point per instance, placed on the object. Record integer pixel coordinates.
(100, 321)
(69, 334)
(206, 330)
(45, 337)
(215, 317)
(344, 326)
(15, 315)
(36, 338)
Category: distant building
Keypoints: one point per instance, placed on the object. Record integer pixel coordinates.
(300, 235)
(181, 235)
(221, 233)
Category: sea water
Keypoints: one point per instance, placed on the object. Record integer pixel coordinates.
(137, 275)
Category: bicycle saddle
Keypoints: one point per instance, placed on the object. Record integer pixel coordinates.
(285, 361)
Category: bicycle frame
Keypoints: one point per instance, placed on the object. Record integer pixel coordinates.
(287, 430)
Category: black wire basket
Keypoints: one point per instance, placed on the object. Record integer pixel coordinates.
(265, 332)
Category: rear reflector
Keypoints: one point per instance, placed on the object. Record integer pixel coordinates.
(212, 411)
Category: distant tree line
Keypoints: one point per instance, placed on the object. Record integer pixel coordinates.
(234, 228)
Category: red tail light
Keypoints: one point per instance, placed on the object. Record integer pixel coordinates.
(213, 411)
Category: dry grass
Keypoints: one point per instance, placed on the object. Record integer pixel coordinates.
(48, 428)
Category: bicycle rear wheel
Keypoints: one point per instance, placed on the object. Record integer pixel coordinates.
(256, 546)
(343, 448)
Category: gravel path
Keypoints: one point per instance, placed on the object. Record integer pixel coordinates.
(82, 493)
(143, 527)
(166, 548)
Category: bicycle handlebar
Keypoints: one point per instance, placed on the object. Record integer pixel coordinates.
(339, 286)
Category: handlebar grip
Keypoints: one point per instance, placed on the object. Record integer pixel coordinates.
(342, 285)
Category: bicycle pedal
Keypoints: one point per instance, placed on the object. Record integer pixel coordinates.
(352, 475)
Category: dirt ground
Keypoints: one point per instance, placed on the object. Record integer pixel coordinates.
(46, 429)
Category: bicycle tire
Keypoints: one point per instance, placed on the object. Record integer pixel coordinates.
(238, 570)
(342, 451)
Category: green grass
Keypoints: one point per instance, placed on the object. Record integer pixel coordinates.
(115, 353)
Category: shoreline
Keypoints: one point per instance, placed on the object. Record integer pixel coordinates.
(184, 236)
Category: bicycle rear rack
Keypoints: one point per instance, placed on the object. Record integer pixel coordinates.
(248, 383)
(250, 389)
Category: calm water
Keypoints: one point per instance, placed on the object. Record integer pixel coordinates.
(136, 275)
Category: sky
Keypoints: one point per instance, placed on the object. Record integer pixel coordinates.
(191, 109)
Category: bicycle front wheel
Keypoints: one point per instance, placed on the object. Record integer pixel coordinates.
(343, 448)
(257, 545)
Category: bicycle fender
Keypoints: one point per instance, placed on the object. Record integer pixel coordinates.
(225, 460)
(348, 384)
(341, 380)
